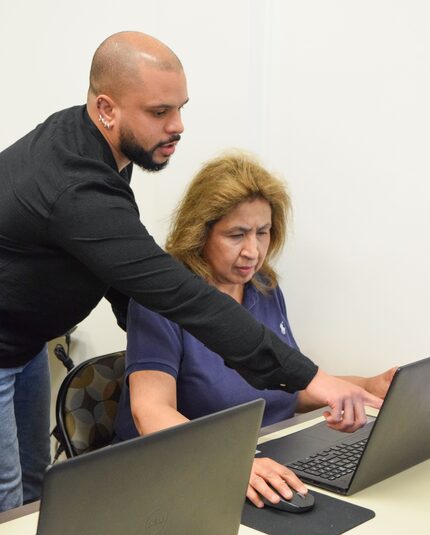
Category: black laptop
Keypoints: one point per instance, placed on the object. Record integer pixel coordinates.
(348, 462)
(185, 480)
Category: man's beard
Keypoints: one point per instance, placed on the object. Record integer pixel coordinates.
(129, 146)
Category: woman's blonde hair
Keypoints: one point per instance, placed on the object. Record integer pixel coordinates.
(220, 185)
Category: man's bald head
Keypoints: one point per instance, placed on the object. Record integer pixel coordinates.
(117, 61)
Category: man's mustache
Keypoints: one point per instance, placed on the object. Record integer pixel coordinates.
(173, 139)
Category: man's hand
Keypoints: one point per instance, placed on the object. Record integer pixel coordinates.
(271, 479)
(346, 400)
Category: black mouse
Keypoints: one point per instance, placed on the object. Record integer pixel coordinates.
(299, 503)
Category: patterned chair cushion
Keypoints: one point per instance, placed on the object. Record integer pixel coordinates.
(91, 402)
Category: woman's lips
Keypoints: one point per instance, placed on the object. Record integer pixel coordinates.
(245, 269)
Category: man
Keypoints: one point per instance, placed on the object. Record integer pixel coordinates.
(70, 234)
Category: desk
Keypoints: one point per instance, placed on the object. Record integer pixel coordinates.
(401, 503)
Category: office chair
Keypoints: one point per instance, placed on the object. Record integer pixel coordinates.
(87, 403)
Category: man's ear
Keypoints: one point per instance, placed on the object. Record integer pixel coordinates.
(106, 110)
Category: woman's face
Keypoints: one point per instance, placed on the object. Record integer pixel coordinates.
(237, 245)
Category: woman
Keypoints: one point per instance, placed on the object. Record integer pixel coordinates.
(228, 229)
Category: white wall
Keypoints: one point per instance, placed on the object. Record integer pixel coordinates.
(333, 95)
(349, 128)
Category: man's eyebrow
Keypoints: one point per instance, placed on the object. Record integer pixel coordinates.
(167, 106)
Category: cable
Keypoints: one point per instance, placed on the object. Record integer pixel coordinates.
(63, 356)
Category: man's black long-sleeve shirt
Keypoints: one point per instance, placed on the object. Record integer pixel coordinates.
(70, 230)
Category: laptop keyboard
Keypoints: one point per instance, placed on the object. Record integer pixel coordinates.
(331, 463)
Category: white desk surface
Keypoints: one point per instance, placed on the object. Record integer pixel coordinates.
(401, 503)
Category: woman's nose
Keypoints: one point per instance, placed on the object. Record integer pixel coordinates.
(250, 248)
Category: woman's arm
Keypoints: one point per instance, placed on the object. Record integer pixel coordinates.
(153, 406)
(153, 401)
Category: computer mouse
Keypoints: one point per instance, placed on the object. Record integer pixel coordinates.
(299, 503)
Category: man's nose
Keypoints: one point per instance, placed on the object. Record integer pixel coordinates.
(175, 124)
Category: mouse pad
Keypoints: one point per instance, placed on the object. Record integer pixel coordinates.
(329, 516)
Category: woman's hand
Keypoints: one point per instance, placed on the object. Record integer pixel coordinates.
(268, 476)
(379, 384)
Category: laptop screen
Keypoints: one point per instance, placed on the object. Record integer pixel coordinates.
(187, 479)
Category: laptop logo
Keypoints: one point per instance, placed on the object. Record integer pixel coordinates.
(156, 522)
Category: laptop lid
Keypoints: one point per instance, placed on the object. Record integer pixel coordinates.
(187, 479)
(400, 436)
(396, 440)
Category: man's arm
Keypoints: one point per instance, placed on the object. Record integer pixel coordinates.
(99, 224)
(119, 303)
(377, 385)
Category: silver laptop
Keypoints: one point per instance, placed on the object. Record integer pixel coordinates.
(185, 480)
(348, 462)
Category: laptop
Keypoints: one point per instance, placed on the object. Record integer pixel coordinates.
(191, 478)
(348, 462)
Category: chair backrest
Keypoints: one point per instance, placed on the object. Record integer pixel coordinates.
(87, 403)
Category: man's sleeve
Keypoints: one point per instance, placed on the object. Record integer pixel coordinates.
(119, 304)
(99, 224)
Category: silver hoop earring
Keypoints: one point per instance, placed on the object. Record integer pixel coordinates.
(104, 122)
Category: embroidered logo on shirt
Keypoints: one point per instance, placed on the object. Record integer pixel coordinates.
(282, 327)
